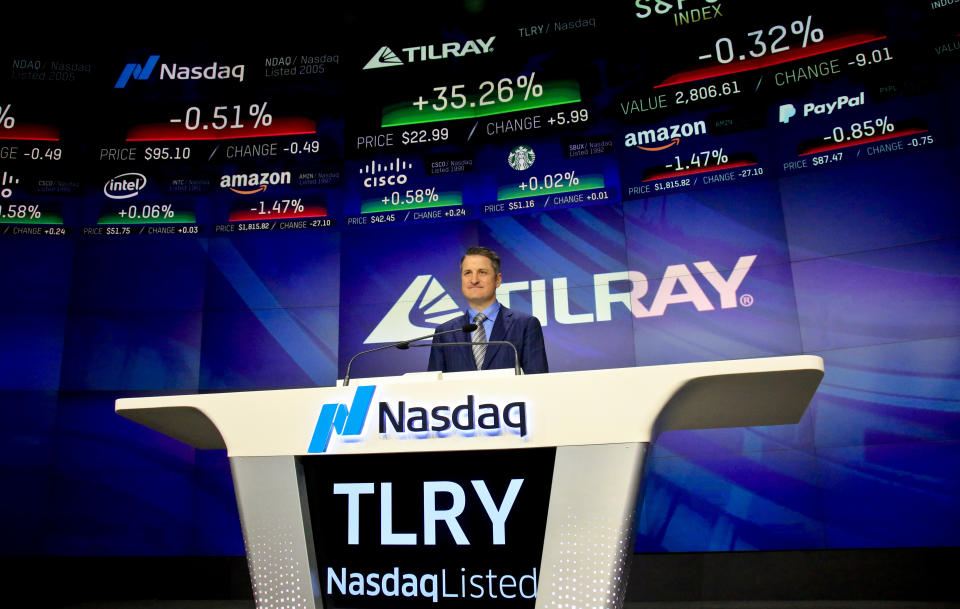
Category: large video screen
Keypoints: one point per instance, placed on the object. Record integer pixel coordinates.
(665, 181)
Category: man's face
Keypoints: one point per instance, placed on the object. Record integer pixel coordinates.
(478, 281)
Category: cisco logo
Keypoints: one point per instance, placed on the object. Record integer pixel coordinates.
(394, 168)
(125, 185)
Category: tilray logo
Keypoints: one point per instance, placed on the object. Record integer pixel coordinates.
(678, 286)
(787, 111)
(174, 71)
(641, 139)
(125, 185)
(386, 58)
(428, 299)
(345, 421)
(252, 183)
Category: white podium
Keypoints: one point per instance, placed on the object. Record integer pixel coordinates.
(465, 489)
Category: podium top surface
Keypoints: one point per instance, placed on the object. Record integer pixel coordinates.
(479, 411)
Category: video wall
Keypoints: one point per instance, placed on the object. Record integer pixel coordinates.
(665, 181)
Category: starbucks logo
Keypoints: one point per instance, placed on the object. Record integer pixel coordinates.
(521, 158)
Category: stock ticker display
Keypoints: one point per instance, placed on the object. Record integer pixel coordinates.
(665, 180)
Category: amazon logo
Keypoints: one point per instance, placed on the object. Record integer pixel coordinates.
(252, 183)
(661, 138)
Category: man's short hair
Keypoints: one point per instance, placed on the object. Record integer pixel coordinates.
(483, 251)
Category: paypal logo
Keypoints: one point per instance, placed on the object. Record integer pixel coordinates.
(345, 421)
(787, 111)
(136, 71)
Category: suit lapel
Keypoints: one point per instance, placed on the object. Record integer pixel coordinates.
(500, 326)
(463, 337)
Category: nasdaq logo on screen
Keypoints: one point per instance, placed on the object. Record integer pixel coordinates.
(136, 71)
(425, 303)
(173, 71)
(386, 58)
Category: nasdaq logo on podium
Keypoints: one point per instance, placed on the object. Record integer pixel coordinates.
(345, 421)
(404, 422)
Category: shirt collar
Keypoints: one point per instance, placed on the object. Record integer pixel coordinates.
(490, 312)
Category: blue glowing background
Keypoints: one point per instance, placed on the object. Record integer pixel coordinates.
(873, 287)
(856, 262)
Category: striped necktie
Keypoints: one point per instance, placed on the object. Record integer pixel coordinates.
(479, 338)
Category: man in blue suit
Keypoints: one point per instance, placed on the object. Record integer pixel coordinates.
(479, 279)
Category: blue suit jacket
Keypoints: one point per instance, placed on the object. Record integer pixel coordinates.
(522, 330)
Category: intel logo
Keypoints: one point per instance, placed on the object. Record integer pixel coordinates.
(125, 185)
